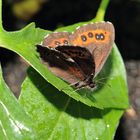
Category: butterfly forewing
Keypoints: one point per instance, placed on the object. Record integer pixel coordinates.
(61, 65)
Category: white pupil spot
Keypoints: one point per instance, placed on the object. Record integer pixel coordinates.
(65, 42)
(97, 36)
(102, 36)
(57, 43)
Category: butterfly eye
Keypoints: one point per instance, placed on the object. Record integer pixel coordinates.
(102, 37)
(57, 43)
(90, 34)
(97, 36)
(65, 42)
(83, 37)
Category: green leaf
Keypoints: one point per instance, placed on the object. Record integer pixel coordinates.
(14, 122)
(56, 116)
(114, 70)
(112, 94)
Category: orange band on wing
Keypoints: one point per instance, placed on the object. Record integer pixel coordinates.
(94, 36)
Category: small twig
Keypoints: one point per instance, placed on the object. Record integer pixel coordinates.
(101, 10)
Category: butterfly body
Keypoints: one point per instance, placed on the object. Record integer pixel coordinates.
(78, 57)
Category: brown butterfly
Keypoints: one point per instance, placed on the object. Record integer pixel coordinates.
(79, 56)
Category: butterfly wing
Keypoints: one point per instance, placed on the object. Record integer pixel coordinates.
(61, 65)
(98, 38)
(72, 64)
(81, 56)
(56, 61)
(56, 39)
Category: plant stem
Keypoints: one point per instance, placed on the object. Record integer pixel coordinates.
(1, 15)
(101, 10)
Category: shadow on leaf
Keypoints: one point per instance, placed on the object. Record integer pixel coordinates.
(62, 101)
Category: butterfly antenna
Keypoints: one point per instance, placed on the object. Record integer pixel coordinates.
(70, 85)
(104, 78)
(108, 85)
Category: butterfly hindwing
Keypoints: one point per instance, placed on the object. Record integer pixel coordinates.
(81, 56)
(98, 38)
(68, 66)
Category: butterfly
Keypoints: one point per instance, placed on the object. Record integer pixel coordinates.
(79, 56)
